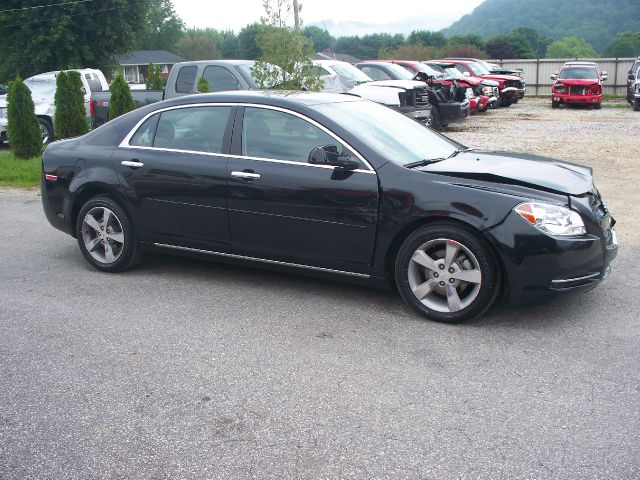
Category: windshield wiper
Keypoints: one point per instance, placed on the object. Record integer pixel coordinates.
(459, 150)
(424, 162)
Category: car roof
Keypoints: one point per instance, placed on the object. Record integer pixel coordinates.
(216, 62)
(281, 98)
(581, 63)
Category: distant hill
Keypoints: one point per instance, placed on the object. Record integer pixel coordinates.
(597, 21)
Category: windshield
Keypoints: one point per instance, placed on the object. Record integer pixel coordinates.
(351, 72)
(246, 70)
(478, 69)
(394, 136)
(428, 70)
(399, 73)
(582, 73)
(41, 87)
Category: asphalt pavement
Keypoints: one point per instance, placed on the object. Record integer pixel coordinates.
(182, 369)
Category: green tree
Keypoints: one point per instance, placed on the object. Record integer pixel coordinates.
(162, 27)
(23, 130)
(198, 47)
(121, 100)
(284, 63)
(247, 38)
(320, 38)
(570, 47)
(626, 44)
(153, 80)
(468, 39)
(70, 114)
(427, 38)
(83, 34)
(538, 43)
(203, 85)
(500, 47)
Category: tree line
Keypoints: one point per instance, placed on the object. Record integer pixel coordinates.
(93, 34)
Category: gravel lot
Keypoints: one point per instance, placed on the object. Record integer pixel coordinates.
(182, 369)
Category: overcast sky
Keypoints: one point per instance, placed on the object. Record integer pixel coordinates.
(234, 14)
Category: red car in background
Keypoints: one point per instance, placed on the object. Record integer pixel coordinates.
(487, 91)
(578, 83)
(512, 87)
(426, 73)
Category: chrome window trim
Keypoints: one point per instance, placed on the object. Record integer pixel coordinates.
(264, 260)
(127, 138)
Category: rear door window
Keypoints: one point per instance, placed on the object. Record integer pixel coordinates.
(186, 79)
(195, 129)
(220, 79)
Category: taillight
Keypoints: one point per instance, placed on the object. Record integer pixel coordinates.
(92, 108)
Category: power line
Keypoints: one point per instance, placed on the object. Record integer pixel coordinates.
(11, 10)
(74, 15)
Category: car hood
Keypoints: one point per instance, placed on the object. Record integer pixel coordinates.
(504, 78)
(521, 169)
(578, 81)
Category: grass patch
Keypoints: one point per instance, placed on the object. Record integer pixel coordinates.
(624, 106)
(15, 172)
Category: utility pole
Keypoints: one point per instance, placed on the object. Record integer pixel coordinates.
(296, 14)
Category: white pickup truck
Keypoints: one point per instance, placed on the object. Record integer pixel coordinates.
(43, 90)
(407, 96)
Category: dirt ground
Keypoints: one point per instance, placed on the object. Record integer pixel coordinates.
(606, 140)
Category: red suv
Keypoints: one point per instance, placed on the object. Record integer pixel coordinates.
(578, 83)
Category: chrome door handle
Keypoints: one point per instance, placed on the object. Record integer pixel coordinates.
(246, 175)
(132, 164)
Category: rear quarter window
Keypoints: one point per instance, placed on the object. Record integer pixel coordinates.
(186, 79)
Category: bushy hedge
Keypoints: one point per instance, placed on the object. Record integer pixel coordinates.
(23, 129)
(71, 120)
(154, 81)
(121, 100)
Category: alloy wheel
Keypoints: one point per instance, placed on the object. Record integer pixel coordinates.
(103, 235)
(444, 275)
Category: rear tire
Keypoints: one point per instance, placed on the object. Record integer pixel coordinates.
(446, 273)
(46, 130)
(106, 236)
(636, 104)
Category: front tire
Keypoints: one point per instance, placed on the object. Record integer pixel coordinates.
(446, 273)
(106, 236)
(435, 118)
(636, 104)
(597, 106)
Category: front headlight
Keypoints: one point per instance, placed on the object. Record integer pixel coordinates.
(469, 93)
(487, 91)
(552, 219)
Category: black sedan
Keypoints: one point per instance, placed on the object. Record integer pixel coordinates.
(330, 185)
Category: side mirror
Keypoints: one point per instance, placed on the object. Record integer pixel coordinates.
(604, 75)
(328, 155)
(554, 76)
(631, 77)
